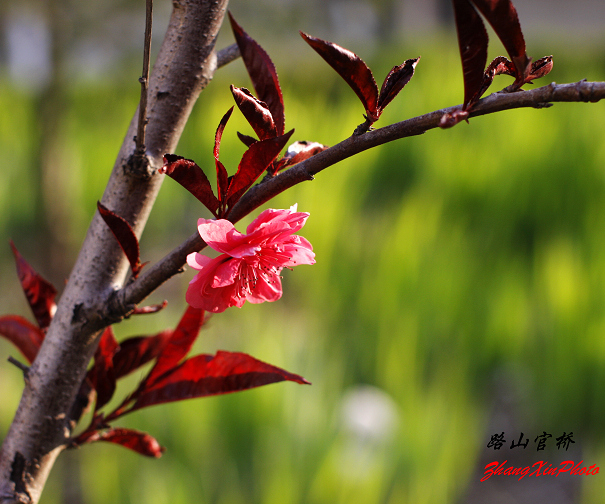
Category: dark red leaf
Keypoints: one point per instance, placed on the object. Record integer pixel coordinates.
(540, 68)
(246, 139)
(146, 310)
(256, 113)
(299, 151)
(125, 236)
(472, 42)
(352, 69)
(138, 351)
(502, 15)
(102, 376)
(23, 334)
(140, 442)
(262, 74)
(206, 375)
(254, 162)
(40, 293)
(221, 173)
(179, 344)
(191, 177)
(397, 78)
(498, 66)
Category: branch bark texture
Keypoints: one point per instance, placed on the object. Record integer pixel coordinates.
(184, 66)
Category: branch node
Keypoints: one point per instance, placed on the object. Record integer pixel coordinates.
(139, 165)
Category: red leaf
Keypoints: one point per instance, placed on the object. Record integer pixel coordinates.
(352, 69)
(102, 376)
(498, 66)
(254, 162)
(540, 68)
(502, 15)
(125, 236)
(179, 344)
(395, 81)
(221, 173)
(256, 113)
(138, 351)
(262, 74)
(247, 140)
(23, 334)
(206, 375)
(472, 42)
(40, 293)
(299, 151)
(140, 442)
(191, 177)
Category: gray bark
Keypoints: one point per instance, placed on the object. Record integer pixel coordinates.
(42, 424)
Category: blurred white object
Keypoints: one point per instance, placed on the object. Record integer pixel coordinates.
(369, 413)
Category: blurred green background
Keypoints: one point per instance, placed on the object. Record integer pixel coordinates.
(459, 290)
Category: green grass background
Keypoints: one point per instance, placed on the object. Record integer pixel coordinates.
(450, 266)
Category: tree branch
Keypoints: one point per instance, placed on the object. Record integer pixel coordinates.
(153, 276)
(41, 426)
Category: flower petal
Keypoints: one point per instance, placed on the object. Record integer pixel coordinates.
(198, 261)
(219, 234)
(267, 288)
(250, 265)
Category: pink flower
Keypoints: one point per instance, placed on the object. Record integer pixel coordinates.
(250, 264)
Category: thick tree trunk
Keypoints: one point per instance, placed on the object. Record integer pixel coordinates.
(42, 424)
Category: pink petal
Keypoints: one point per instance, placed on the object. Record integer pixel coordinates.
(220, 234)
(250, 265)
(198, 261)
(300, 251)
(282, 219)
(226, 273)
(268, 288)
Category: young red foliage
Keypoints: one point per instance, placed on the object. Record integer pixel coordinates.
(191, 177)
(178, 345)
(206, 375)
(138, 351)
(222, 179)
(101, 375)
(395, 81)
(262, 74)
(140, 442)
(23, 334)
(502, 15)
(472, 42)
(256, 113)
(361, 80)
(247, 140)
(299, 151)
(125, 236)
(540, 68)
(39, 292)
(351, 68)
(259, 156)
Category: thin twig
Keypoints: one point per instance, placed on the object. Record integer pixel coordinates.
(227, 55)
(144, 80)
(21, 366)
